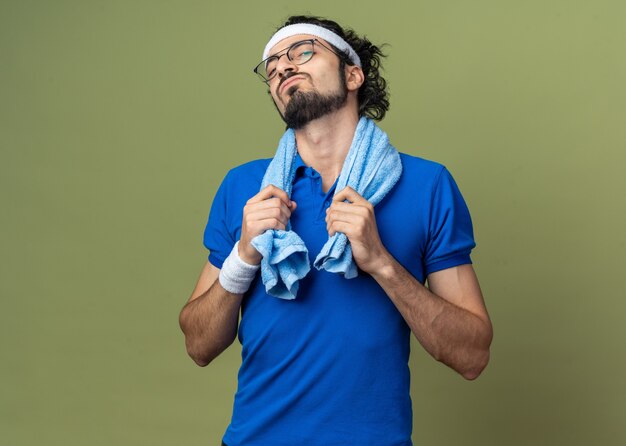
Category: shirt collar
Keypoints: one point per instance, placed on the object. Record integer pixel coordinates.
(300, 166)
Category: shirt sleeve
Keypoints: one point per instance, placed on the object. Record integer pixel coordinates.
(218, 236)
(450, 235)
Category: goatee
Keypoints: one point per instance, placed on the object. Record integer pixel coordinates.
(305, 106)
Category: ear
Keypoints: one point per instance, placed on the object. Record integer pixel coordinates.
(354, 77)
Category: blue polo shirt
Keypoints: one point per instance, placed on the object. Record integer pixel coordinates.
(331, 367)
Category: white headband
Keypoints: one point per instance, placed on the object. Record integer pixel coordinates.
(314, 30)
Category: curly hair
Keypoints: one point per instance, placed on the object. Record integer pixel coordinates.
(373, 97)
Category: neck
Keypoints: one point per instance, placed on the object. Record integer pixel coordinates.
(324, 143)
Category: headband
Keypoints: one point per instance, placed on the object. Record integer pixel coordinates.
(314, 30)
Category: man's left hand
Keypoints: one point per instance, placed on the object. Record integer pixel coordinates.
(356, 219)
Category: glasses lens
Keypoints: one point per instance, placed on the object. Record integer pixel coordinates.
(300, 52)
(268, 68)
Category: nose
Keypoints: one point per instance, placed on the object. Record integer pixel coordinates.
(283, 64)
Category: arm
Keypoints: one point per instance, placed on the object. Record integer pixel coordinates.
(210, 318)
(449, 320)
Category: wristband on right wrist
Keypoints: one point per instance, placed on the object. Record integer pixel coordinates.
(237, 275)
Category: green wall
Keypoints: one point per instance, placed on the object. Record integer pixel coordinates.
(118, 119)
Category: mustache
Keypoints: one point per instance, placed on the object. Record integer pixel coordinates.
(288, 76)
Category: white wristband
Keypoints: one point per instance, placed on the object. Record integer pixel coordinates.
(237, 275)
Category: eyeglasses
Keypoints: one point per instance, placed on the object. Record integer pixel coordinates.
(298, 53)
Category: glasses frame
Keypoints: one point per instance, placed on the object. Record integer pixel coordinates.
(261, 66)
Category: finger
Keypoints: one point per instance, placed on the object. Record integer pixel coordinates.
(269, 203)
(340, 226)
(352, 208)
(260, 226)
(280, 213)
(351, 195)
(355, 222)
(269, 192)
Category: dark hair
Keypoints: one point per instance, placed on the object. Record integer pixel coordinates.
(373, 96)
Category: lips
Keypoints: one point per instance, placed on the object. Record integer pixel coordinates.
(289, 81)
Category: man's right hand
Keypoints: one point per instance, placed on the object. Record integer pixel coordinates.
(269, 209)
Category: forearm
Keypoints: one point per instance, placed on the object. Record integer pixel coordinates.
(451, 334)
(209, 323)
(210, 318)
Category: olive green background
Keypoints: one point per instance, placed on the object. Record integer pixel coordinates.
(118, 120)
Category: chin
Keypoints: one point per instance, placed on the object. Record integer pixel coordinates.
(291, 90)
(287, 96)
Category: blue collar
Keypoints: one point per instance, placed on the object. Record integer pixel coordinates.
(300, 166)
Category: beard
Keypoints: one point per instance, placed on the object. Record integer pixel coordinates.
(306, 106)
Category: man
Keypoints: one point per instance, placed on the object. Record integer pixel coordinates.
(328, 364)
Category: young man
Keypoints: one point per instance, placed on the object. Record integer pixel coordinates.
(325, 349)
